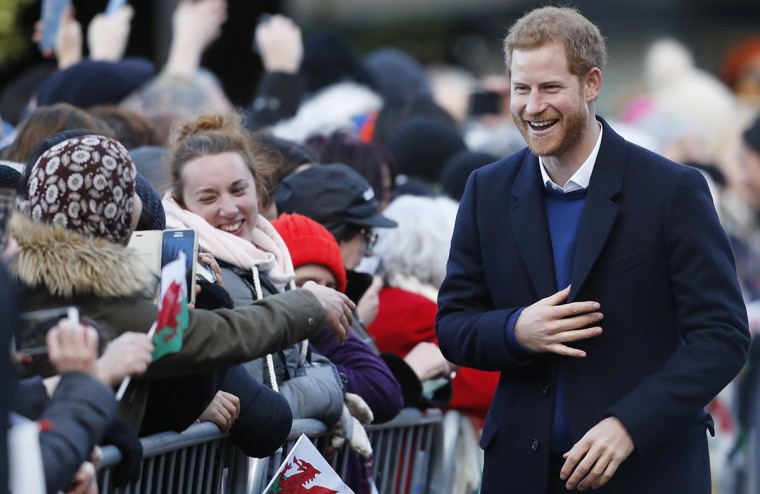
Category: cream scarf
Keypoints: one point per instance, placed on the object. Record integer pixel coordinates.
(267, 251)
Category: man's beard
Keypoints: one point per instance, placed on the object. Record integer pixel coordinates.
(558, 141)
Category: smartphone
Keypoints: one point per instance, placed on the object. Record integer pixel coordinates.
(356, 284)
(174, 241)
(52, 10)
(204, 271)
(7, 206)
(114, 6)
(147, 244)
(484, 102)
(31, 345)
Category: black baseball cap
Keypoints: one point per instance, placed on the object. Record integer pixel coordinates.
(333, 195)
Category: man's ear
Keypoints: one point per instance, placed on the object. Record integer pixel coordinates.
(593, 83)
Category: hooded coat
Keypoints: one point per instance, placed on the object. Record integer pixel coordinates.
(110, 285)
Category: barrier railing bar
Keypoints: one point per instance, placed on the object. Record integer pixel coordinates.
(409, 455)
(419, 467)
(172, 464)
(200, 464)
(209, 477)
(148, 477)
(162, 472)
(387, 457)
(138, 485)
(344, 454)
(181, 467)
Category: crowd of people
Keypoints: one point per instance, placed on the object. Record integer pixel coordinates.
(325, 210)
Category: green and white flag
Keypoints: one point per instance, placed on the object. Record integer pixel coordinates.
(173, 315)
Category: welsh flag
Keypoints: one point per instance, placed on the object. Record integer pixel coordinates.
(306, 470)
(172, 308)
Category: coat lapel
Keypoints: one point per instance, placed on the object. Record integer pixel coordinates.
(528, 217)
(600, 210)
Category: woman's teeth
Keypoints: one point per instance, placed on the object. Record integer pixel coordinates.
(231, 228)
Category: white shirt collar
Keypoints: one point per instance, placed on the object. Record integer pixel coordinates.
(581, 177)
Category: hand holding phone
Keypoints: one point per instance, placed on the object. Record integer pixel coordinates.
(72, 347)
(52, 12)
(208, 267)
(31, 348)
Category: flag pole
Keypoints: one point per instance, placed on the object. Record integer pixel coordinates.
(125, 382)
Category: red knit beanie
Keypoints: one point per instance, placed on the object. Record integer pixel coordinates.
(311, 243)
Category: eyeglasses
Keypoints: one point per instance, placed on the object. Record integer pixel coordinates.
(370, 239)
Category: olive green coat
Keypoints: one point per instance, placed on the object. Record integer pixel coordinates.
(109, 284)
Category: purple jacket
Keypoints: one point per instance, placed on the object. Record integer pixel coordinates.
(367, 374)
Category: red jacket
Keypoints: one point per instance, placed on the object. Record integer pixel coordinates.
(405, 319)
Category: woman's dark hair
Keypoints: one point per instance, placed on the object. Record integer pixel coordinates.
(372, 160)
(48, 120)
(283, 156)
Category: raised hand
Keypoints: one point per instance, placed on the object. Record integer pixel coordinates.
(128, 355)
(195, 24)
(107, 35)
(280, 44)
(337, 307)
(72, 347)
(68, 41)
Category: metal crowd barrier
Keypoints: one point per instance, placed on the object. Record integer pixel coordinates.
(197, 460)
(408, 454)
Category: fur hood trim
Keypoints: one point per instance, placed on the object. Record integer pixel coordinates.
(67, 263)
(331, 109)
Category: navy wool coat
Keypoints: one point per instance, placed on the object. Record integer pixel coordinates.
(652, 252)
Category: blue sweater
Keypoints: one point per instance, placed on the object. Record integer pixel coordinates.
(563, 214)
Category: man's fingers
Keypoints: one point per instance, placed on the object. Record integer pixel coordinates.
(559, 324)
(583, 469)
(566, 351)
(558, 297)
(569, 336)
(601, 473)
(577, 308)
(594, 474)
(606, 475)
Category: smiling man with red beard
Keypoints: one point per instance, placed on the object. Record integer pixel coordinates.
(596, 277)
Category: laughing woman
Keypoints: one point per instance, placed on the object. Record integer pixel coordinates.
(218, 184)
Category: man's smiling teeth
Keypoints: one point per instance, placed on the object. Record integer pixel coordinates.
(542, 124)
(232, 227)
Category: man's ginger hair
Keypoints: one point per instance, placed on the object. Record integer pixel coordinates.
(584, 44)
